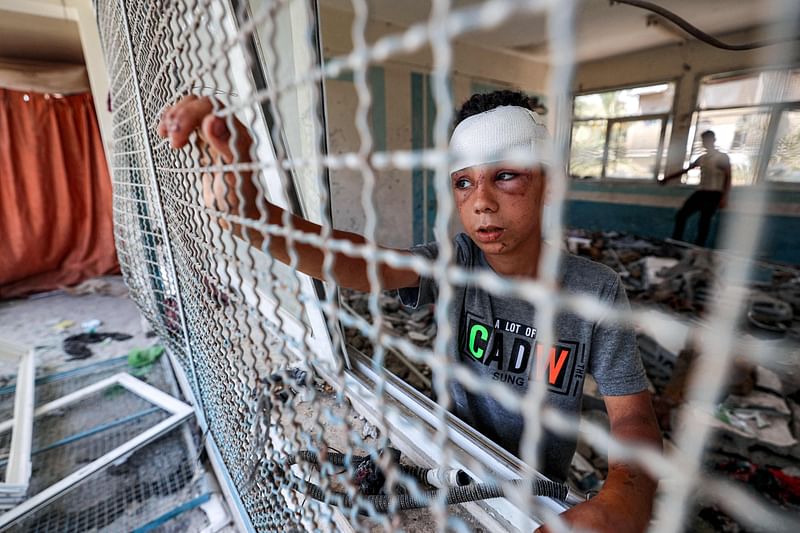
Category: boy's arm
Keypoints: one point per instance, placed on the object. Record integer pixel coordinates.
(221, 191)
(625, 502)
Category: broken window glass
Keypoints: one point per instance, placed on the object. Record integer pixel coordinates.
(633, 148)
(588, 144)
(784, 165)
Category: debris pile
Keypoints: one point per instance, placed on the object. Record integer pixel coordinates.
(681, 278)
(653, 272)
(757, 420)
(417, 325)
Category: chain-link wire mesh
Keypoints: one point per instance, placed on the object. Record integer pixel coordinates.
(129, 494)
(248, 331)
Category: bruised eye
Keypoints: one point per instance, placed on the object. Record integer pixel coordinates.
(505, 176)
(461, 183)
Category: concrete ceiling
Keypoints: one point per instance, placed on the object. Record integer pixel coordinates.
(31, 37)
(602, 30)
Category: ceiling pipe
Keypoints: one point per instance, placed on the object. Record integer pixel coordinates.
(698, 33)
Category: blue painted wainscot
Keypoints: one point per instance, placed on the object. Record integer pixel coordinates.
(647, 209)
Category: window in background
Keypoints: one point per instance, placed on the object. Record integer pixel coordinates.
(784, 165)
(751, 114)
(292, 32)
(621, 133)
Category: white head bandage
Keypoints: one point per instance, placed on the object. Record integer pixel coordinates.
(506, 133)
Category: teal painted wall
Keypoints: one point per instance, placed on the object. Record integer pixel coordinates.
(780, 240)
(419, 178)
(423, 118)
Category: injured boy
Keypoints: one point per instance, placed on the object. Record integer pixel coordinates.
(500, 207)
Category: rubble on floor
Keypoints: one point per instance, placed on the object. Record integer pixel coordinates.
(160, 485)
(418, 325)
(756, 437)
(680, 278)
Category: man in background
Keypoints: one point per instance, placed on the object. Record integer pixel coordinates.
(712, 193)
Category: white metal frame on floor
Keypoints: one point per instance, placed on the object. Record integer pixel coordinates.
(179, 412)
(18, 468)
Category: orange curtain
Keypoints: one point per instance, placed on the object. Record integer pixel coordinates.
(55, 193)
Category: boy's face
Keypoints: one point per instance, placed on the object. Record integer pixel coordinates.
(500, 206)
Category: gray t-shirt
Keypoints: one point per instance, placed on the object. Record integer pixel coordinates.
(496, 338)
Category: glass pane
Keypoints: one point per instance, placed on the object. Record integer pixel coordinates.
(648, 100)
(750, 89)
(794, 86)
(739, 134)
(586, 153)
(665, 149)
(784, 165)
(633, 149)
(290, 31)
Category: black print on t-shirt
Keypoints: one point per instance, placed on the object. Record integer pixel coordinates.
(506, 348)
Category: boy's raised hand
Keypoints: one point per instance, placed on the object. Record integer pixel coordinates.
(227, 141)
(196, 114)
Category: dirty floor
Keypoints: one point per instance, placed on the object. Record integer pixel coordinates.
(145, 488)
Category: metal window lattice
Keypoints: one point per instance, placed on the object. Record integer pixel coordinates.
(129, 494)
(232, 317)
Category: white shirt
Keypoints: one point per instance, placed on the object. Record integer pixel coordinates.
(713, 167)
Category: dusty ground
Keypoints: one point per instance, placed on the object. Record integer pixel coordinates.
(33, 322)
(43, 322)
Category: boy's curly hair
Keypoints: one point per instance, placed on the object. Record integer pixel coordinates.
(478, 103)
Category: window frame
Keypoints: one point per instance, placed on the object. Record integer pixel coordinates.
(253, 74)
(178, 412)
(357, 376)
(15, 482)
(663, 117)
(773, 110)
(667, 118)
(419, 443)
(771, 136)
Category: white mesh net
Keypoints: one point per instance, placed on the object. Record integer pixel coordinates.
(275, 360)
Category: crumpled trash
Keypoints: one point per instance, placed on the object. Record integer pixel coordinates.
(281, 388)
(369, 431)
(741, 418)
(770, 314)
(64, 325)
(779, 484)
(744, 433)
(76, 346)
(139, 357)
(142, 359)
(90, 326)
(368, 474)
